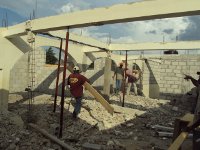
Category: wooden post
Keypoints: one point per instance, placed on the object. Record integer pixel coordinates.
(183, 135)
(63, 84)
(124, 80)
(57, 80)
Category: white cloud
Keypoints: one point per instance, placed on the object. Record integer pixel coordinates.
(68, 8)
(141, 31)
(124, 39)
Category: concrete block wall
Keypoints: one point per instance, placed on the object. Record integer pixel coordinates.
(96, 76)
(19, 75)
(162, 76)
(151, 78)
(47, 79)
(20, 78)
(172, 84)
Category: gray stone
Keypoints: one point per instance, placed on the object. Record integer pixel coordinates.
(11, 147)
(89, 146)
(110, 142)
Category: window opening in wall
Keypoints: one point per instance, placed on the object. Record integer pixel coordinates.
(51, 56)
(91, 66)
(135, 67)
(171, 52)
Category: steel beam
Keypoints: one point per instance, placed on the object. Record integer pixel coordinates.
(138, 11)
(147, 46)
(87, 41)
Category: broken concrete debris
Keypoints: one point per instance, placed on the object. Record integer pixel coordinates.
(132, 126)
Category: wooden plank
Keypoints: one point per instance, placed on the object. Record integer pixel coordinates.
(177, 143)
(178, 126)
(99, 98)
(51, 137)
(179, 140)
(188, 117)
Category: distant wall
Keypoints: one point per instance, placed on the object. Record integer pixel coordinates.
(45, 75)
(172, 83)
(151, 78)
(162, 77)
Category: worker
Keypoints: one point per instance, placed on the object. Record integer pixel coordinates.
(136, 77)
(196, 121)
(130, 81)
(119, 74)
(197, 101)
(75, 82)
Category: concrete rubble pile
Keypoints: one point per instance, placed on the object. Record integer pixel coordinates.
(130, 126)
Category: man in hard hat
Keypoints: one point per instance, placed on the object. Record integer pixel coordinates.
(76, 81)
(119, 74)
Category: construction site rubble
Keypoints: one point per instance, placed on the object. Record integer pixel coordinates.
(130, 127)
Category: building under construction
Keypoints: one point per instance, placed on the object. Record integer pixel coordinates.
(36, 107)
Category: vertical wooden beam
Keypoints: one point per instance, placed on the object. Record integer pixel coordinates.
(124, 80)
(57, 80)
(178, 126)
(107, 76)
(63, 84)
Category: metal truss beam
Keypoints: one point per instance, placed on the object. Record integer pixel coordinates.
(138, 11)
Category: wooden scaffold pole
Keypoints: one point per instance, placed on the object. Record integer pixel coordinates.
(57, 79)
(63, 84)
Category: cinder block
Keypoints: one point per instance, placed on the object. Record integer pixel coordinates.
(177, 71)
(182, 63)
(174, 86)
(177, 91)
(175, 63)
(169, 70)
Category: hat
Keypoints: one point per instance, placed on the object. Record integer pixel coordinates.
(76, 68)
(121, 64)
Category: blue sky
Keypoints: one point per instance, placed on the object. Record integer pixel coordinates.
(186, 28)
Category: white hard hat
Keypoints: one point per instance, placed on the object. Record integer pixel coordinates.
(76, 68)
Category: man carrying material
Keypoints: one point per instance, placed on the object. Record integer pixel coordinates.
(76, 81)
(130, 81)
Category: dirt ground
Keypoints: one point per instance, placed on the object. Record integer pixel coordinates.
(130, 128)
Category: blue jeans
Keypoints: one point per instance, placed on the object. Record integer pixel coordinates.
(118, 85)
(77, 107)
